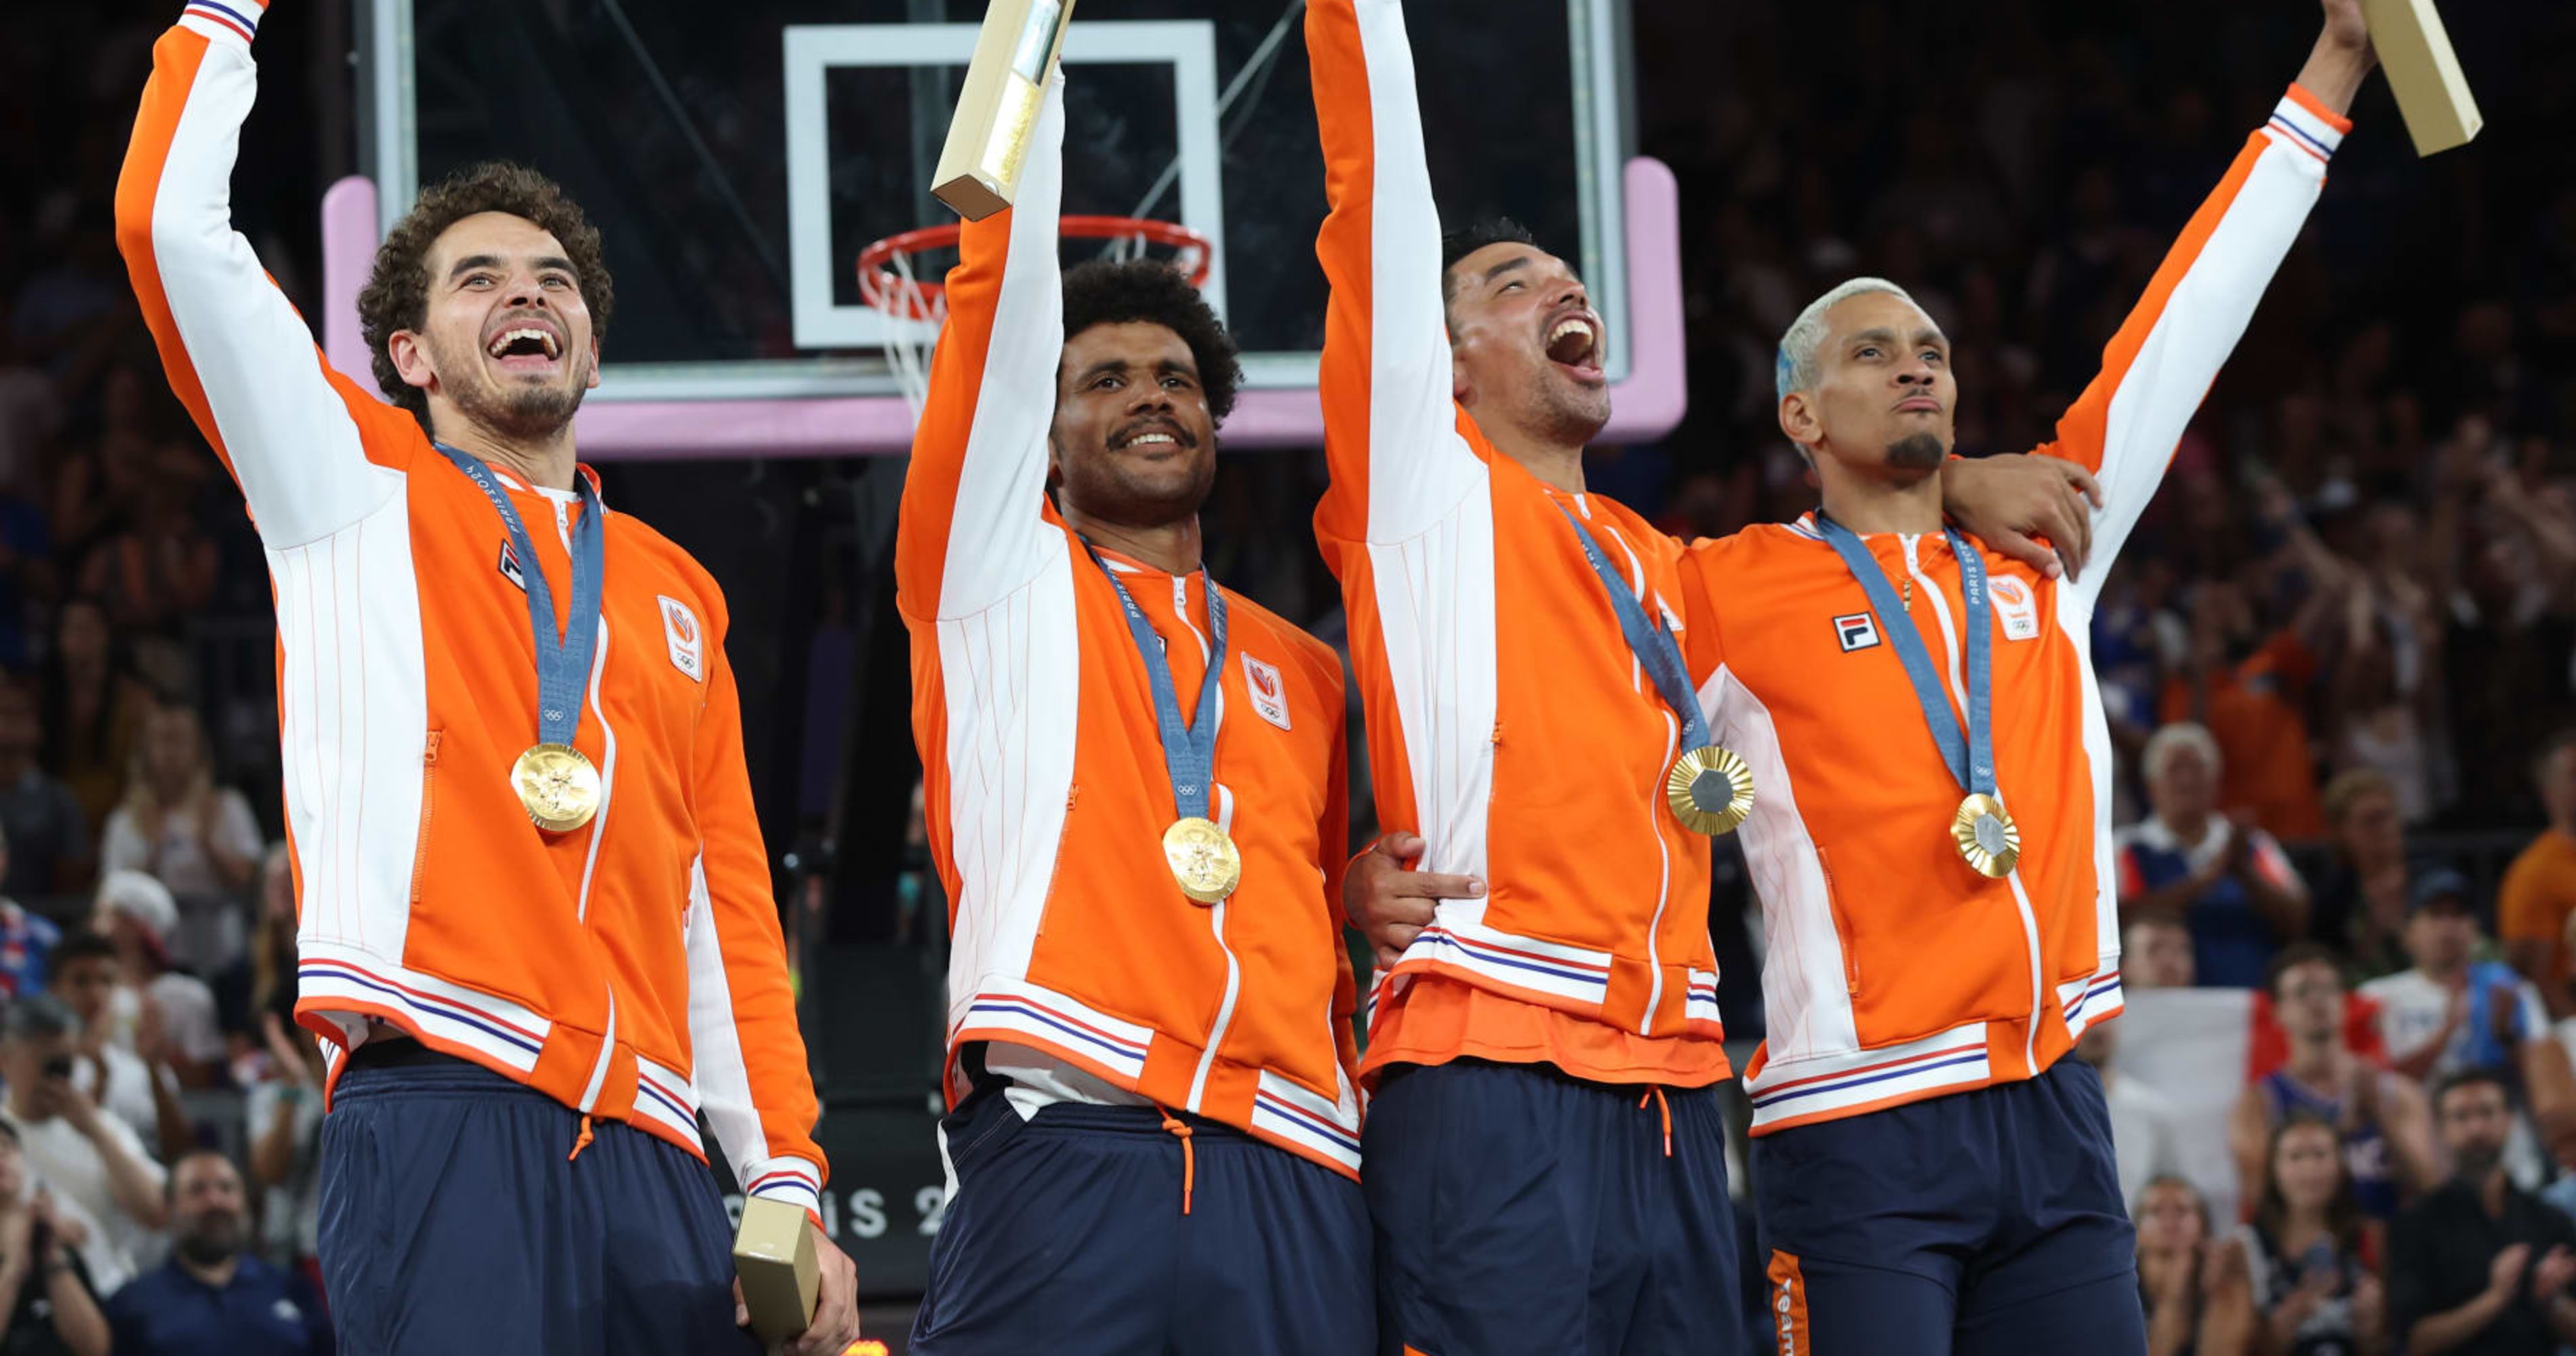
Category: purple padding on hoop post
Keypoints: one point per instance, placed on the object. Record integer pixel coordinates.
(348, 251)
(1645, 405)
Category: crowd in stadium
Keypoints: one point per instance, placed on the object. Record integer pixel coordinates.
(2340, 659)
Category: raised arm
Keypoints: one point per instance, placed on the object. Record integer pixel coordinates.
(2125, 426)
(973, 528)
(1391, 434)
(238, 356)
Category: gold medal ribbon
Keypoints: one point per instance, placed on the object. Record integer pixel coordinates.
(1201, 855)
(1982, 830)
(1709, 789)
(556, 785)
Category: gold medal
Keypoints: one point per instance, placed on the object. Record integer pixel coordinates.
(557, 785)
(1202, 858)
(1987, 837)
(1710, 790)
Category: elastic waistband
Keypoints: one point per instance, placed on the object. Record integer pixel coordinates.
(1543, 1070)
(390, 1068)
(1129, 1120)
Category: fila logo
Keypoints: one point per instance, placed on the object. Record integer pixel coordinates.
(680, 630)
(509, 566)
(2016, 605)
(1856, 631)
(1269, 694)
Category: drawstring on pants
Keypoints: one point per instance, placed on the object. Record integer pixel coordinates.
(1189, 1159)
(1657, 1094)
(582, 1141)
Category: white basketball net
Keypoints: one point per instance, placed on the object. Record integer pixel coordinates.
(910, 339)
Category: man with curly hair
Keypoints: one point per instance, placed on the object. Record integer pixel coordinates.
(535, 925)
(1135, 793)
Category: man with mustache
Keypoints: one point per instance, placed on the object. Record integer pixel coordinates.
(214, 1294)
(1532, 726)
(1134, 789)
(1931, 836)
(534, 914)
(2480, 1265)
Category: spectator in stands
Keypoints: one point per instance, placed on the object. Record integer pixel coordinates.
(93, 711)
(51, 1310)
(2193, 1287)
(25, 940)
(284, 1116)
(214, 1295)
(26, 570)
(160, 568)
(2512, 554)
(2155, 953)
(2228, 881)
(136, 913)
(2248, 699)
(2304, 1250)
(2455, 1011)
(2361, 899)
(195, 837)
(2536, 908)
(2387, 1130)
(2479, 1265)
(2143, 1135)
(89, 1158)
(131, 1085)
(47, 833)
(265, 977)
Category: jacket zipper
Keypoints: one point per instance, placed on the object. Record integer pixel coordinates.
(1221, 808)
(1654, 820)
(428, 801)
(2021, 899)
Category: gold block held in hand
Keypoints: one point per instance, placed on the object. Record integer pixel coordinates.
(997, 111)
(2424, 73)
(773, 1253)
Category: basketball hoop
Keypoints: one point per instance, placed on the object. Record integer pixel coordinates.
(916, 307)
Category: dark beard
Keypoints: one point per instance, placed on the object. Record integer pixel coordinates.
(1100, 491)
(2477, 1164)
(212, 1242)
(1568, 418)
(524, 414)
(1916, 452)
(516, 412)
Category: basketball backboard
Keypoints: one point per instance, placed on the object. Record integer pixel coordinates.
(738, 158)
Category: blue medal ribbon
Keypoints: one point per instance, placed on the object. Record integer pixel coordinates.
(1653, 645)
(1189, 751)
(1971, 760)
(563, 661)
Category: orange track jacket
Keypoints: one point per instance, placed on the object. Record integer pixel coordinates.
(1045, 789)
(631, 969)
(1895, 972)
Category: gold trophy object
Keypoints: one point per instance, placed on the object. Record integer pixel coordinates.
(773, 1253)
(2424, 73)
(997, 112)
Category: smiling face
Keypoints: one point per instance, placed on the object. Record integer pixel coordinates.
(506, 342)
(2308, 1001)
(1884, 397)
(1526, 346)
(2169, 1219)
(2307, 1163)
(1134, 442)
(2184, 787)
(2441, 935)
